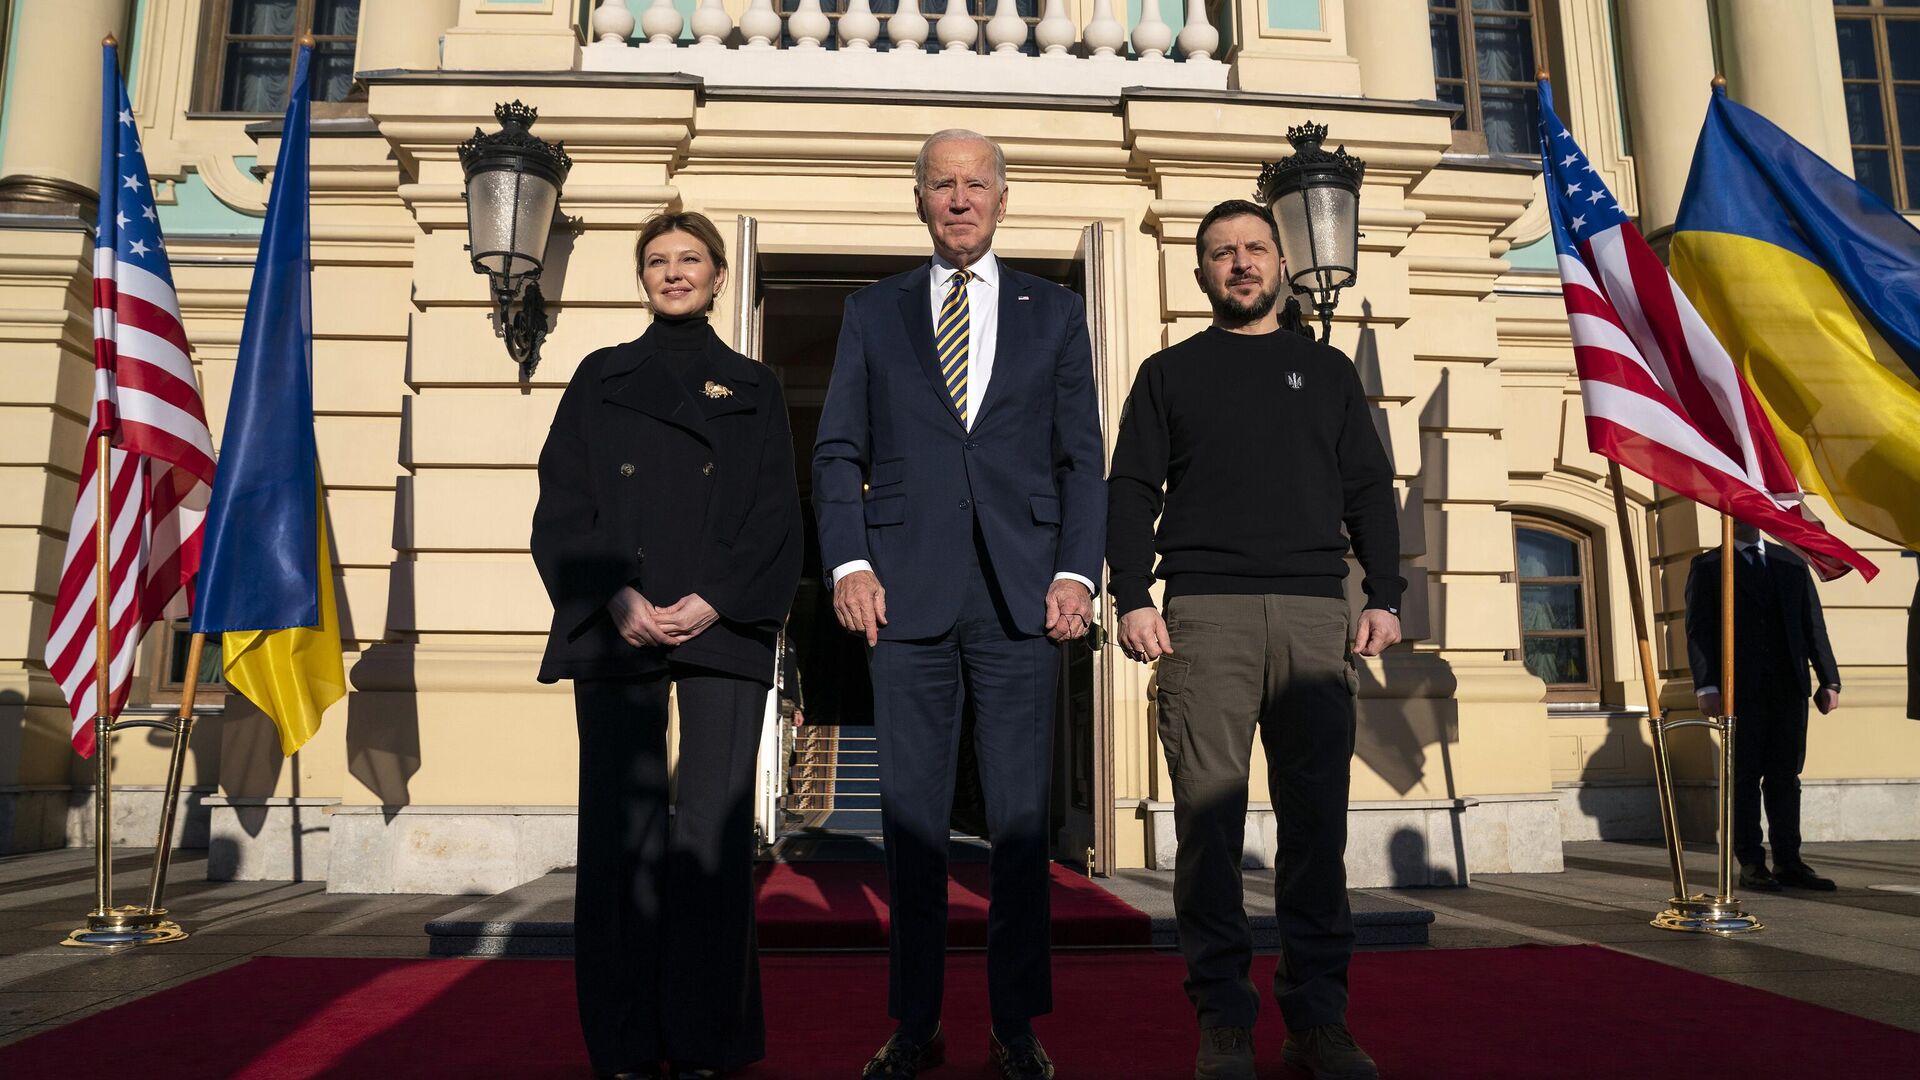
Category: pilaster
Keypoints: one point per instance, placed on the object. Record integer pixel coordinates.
(1783, 62)
(512, 35)
(50, 160)
(1668, 63)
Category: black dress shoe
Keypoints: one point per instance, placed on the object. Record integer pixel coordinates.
(902, 1058)
(1801, 876)
(694, 1072)
(1756, 877)
(650, 1072)
(1021, 1059)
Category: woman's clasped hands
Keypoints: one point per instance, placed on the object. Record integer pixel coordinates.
(641, 624)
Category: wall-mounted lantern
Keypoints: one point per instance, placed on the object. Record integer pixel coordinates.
(513, 186)
(1315, 198)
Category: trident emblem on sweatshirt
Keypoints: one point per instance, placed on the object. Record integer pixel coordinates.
(1294, 381)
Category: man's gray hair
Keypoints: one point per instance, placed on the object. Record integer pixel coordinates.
(958, 135)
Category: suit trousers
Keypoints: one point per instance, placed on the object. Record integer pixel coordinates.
(1769, 749)
(1278, 664)
(665, 957)
(919, 689)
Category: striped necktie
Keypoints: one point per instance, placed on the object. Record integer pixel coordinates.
(950, 339)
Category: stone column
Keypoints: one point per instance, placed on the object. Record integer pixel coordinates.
(50, 160)
(403, 33)
(1389, 39)
(1778, 65)
(1668, 62)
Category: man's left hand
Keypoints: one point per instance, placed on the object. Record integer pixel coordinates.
(686, 619)
(1827, 700)
(1069, 610)
(1377, 630)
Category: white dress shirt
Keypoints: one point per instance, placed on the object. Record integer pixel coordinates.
(983, 337)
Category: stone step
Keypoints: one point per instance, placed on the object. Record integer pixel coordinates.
(536, 919)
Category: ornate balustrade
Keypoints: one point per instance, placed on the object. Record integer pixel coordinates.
(910, 48)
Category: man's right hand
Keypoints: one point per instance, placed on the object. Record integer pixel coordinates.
(633, 618)
(1710, 704)
(861, 604)
(1143, 635)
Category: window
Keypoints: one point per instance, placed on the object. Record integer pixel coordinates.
(247, 52)
(1880, 73)
(1555, 574)
(165, 662)
(1485, 55)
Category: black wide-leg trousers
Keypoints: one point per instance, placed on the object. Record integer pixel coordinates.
(1769, 750)
(919, 688)
(665, 957)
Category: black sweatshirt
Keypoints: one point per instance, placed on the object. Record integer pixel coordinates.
(1265, 448)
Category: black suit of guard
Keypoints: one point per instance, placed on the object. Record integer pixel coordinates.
(1779, 630)
(669, 468)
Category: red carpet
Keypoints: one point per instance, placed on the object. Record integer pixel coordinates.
(1574, 1013)
(843, 905)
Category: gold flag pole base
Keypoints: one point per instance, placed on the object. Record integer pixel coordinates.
(124, 927)
(1702, 914)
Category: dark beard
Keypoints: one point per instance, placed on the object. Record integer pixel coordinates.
(1231, 312)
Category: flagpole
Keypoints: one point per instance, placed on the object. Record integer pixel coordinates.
(102, 680)
(1727, 725)
(176, 771)
(1662, 765)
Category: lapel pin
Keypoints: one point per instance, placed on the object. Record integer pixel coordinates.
(1023, 298)
(716, 391)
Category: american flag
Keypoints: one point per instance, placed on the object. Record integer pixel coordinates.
(1661, 395)
(146, 399)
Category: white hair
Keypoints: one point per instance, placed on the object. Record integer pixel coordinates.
(958, 135)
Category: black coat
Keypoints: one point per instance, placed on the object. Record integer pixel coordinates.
(646, 482)
(1803, 625)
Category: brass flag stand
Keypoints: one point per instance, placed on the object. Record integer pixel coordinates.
(110, 927)
(1719, 913)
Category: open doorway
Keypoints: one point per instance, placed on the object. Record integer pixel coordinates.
(828, 799)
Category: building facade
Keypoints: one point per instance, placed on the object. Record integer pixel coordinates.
(1511, 720)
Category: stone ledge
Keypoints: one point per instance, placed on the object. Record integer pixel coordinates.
(1836, 809)
(1417, 842)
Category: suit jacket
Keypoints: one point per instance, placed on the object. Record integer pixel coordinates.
(1803, 626)
(645, 483)
(899, 481)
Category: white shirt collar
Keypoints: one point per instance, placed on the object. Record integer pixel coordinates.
(986, 270)
(1745, 546)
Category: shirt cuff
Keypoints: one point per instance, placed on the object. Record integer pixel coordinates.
(1703, 691)
(1068, 576)
(846, 568)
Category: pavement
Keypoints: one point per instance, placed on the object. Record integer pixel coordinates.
(1856, 950)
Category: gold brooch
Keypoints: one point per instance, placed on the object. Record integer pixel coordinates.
(715, 390)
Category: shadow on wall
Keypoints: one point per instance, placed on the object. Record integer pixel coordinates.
(383, 728)
(1628, 809)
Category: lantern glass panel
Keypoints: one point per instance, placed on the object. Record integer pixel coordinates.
(508, 216)
(1318, 235)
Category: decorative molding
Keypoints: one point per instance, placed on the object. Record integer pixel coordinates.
(1589, 98)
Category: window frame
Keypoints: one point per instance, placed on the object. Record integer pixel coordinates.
(1592, 691)
(152, 687)
(210, 68)
(1472, 139)
(1879, 15)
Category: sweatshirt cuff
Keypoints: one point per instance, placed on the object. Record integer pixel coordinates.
(1384, 596)
(1129, 593)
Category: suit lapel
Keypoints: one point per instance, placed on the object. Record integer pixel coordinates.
(642, 383)
(916, 310)
(1013, 330)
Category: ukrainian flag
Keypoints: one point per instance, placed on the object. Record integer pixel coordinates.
(1813, 284)
(266, 576)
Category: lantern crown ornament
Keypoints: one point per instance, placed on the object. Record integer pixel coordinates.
(1315, 198)
(513, 182)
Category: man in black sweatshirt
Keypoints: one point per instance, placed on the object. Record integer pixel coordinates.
(1252, 445)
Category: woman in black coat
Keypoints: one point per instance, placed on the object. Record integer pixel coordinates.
(668, 536)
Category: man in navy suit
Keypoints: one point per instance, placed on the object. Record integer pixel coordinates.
(959, 486)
